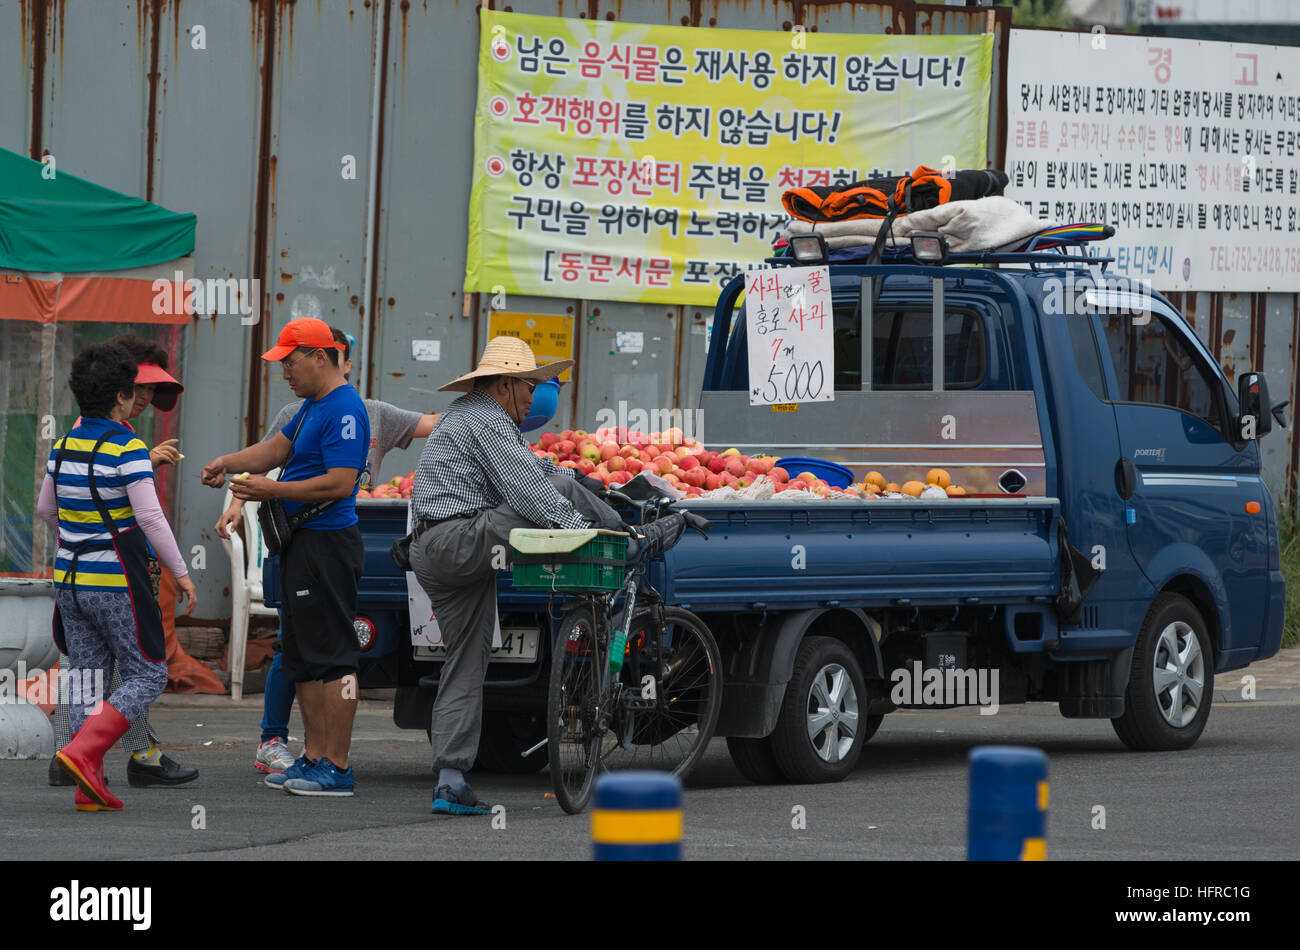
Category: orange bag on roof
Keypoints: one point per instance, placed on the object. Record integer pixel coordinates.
(924, 188)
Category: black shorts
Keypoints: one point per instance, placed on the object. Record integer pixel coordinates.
(319, 571)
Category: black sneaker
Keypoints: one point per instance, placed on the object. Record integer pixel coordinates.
(59, 778)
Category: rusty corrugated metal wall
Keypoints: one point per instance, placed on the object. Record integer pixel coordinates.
(255, 131)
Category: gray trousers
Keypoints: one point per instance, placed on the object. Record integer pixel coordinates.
(453, 561)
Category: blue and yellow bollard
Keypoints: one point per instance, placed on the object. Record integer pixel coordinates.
(637, 816)
(1008, 804)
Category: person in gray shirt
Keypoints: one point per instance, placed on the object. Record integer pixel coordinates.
(390, 427)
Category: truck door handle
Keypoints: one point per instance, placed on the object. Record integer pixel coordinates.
(1125, 478)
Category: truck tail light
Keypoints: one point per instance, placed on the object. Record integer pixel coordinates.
(364, 628)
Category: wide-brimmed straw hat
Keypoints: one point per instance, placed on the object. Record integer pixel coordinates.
(507, 356)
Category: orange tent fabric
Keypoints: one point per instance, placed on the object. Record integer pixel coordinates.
(184, 673)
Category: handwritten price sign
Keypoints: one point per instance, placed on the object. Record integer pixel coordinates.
(790, 330)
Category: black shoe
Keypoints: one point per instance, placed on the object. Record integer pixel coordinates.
(166, 772)
(656, 537)
(58, 777)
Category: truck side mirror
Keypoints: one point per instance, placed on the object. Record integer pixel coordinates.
(1252, 395)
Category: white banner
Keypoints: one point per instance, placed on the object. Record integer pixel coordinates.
(1191, 150)
(790, 327)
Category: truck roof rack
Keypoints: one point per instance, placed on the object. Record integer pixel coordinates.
(1052, 247)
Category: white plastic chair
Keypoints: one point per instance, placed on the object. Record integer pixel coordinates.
(247, 554)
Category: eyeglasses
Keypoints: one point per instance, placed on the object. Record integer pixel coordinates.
(532, 386)
(290, 364)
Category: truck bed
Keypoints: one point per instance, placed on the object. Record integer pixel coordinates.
(778, 554)
(883, 552)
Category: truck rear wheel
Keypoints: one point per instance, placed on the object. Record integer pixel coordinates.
(1171, 684)
(822, 725)
(755, 759)
(504, 736)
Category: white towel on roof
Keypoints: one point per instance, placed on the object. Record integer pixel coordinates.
(980, 225)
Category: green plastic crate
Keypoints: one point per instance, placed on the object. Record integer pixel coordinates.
(554, 560)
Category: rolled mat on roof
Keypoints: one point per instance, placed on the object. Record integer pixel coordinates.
(924, 188)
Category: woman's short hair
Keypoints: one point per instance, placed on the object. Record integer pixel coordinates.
(142, 350)
(100, 373)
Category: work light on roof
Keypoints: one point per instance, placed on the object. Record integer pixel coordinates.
(808, 249)
(929, 247)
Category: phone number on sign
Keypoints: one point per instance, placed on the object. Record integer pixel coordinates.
(1259, 260)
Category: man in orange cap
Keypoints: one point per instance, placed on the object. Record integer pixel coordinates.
(322, 452)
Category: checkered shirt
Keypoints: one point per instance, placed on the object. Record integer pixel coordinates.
(476, 457)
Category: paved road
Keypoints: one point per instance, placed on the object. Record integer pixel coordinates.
(1232, 796)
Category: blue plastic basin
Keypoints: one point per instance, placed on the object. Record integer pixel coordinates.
(834, 474)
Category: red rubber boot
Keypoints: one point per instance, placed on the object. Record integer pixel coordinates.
(83, 757)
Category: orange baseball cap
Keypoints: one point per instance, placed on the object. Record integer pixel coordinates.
(306, 331)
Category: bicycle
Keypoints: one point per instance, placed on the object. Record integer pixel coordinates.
(658, 708)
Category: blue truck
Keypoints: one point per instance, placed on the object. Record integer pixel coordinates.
(1116, 550)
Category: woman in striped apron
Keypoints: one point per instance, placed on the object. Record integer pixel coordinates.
(99, 494)
(146, 765)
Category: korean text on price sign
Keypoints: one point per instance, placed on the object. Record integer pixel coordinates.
(790, 331)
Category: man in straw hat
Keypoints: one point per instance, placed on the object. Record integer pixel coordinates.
(476, 481)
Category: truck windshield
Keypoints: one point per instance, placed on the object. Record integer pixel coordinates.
(901, 349)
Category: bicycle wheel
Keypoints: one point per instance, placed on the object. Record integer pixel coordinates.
(572, 727)
(668, 706)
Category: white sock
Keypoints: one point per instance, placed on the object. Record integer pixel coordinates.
(453, 777)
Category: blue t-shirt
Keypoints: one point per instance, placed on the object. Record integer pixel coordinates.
(335, 434)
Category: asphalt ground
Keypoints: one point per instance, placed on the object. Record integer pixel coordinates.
(1231, 797)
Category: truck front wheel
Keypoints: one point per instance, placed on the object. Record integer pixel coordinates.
(1171, 684)
(823, 723)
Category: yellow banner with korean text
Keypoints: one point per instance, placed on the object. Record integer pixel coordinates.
(623, 161)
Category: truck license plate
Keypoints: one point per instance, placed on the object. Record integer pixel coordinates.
(518, 645)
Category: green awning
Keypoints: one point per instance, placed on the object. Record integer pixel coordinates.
(68, 224)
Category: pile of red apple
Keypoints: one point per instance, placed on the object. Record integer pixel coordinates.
(614, 456)
(399, 486)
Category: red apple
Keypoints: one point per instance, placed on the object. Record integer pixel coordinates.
(630, 452)
(568, 464)
(586, 466)
(616, 464)
(735, 467)
(590, 450)
(688, 462)
(779, 474)
(717, 464)
(633, 465)
(712, 481)
(695, 477)
(547, 438)
(608, 450)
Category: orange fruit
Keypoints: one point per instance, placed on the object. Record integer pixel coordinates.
(875, 478)
(913, 488)
(937, 476)
(955, 490)
(892, 486)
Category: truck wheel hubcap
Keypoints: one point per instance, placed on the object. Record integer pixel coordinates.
(1178, 674)
(832, 713)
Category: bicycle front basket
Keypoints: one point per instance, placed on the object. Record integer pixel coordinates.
(588, 559)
